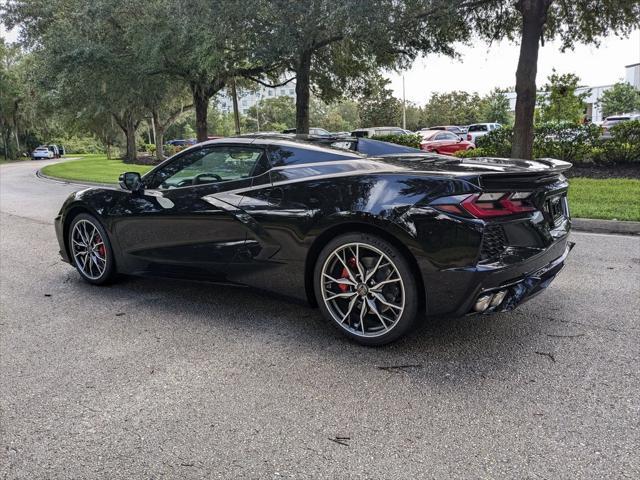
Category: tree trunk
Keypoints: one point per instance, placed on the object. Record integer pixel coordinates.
(158, 129)
(201, 104)
(236, 113)
(130, 133)
(303, 85)
(534, 16)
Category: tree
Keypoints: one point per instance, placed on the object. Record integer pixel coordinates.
(451, 108)
(335, 46)
(494, 107)
(535, 21)
(560, 101)
(621, 98)
(414, 115)
(378, 107)
(204, 44)
(10, 98)
(273, 114)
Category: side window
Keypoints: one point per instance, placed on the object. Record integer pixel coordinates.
(209, 165)
(450, 136)
(440, 136)
(281, 155)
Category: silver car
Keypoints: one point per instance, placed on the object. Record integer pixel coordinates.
(480, 130)
(614, 119)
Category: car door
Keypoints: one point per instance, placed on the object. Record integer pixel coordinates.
(450, 143)
(186, 221)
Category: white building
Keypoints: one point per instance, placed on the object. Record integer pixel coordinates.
(246, 100)
(594, 112)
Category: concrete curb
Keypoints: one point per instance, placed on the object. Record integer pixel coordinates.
(591, 225)
(605, 226)
(84, 183)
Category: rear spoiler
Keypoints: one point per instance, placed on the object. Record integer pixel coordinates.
(539, 165)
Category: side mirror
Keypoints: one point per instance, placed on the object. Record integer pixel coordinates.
(131, 181)
(459, 139)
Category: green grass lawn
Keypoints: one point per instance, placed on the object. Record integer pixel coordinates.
(607, 199)
(93, 168)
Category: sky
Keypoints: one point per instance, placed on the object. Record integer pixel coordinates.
(483, 67)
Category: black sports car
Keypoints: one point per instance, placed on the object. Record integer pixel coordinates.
(371, 239)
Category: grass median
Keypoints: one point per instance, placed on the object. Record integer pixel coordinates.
(607, 199)
(92, 168)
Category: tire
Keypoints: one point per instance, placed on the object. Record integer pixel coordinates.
(97, 266)
(368, 312)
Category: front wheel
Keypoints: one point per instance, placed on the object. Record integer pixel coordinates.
(91, 251)
(365, 287)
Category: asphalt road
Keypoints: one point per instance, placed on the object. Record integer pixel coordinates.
(160, 379)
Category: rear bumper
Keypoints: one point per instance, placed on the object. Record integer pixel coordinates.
(457, 290)
(527, 287)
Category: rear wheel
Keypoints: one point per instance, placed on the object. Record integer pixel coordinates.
(365, 287)
(91, 251)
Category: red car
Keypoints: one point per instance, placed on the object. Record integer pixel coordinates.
(440, 141)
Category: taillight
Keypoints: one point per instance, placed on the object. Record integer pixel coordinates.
(469, 137)
(487, 205)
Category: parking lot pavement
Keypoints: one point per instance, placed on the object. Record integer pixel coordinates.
(161, 379)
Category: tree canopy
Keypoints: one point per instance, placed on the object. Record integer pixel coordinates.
(560, 102)
(621, 98)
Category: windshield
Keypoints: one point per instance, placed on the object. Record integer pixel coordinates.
(477, 128)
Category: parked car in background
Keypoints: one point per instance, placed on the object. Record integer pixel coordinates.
(43, 151)
(613, 120)
(321, 132)
(380, 132)
(449, 128)
(179, 143)
(442, 141)
(480, 129)
(54, 149)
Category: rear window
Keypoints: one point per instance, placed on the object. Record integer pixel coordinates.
(477, 128)
(360, 133)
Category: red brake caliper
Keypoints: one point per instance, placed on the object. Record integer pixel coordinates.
(101, 250)
(345, 274)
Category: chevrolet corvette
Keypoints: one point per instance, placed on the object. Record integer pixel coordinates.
(375, 235)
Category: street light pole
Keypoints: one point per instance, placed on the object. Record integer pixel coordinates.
(404, 107)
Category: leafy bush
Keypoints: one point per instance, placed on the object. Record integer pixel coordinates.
(170, 150)
(410, 140)
(565, 140)
(149, 148)
(474, 152)
(80, 145)
(496, 143)
(624, 146)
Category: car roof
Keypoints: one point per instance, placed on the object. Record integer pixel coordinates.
(283, 139)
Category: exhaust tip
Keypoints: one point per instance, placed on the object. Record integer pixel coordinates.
(483, 303)
(498, 298)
